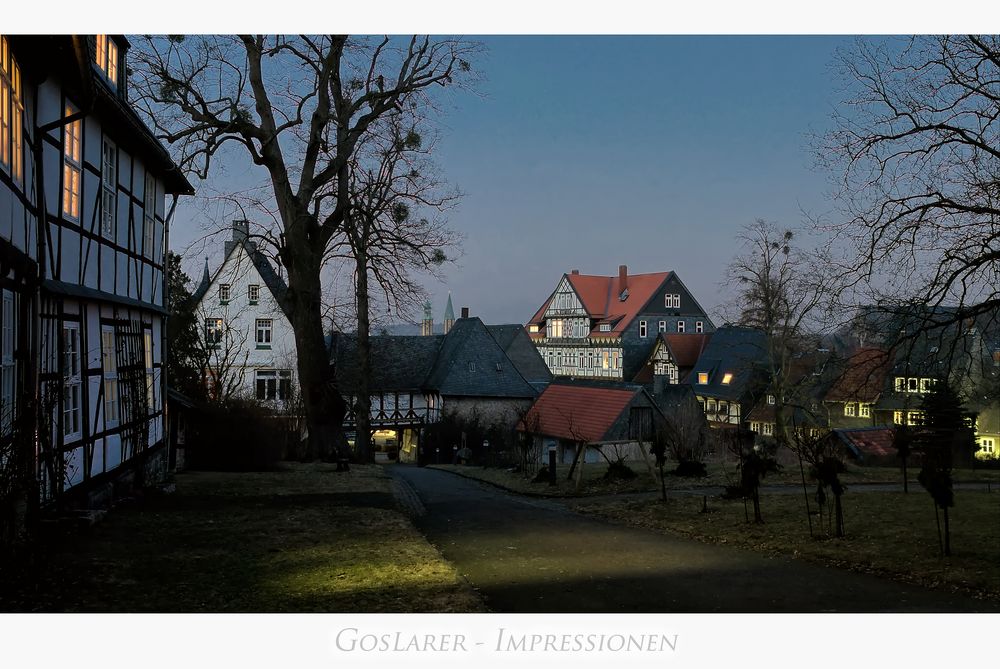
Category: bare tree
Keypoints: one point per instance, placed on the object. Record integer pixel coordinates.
(915, 155)
(298, 107)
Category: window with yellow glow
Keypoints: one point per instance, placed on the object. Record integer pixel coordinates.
(702, 378)
(727, 378)
(11, 115)
(106, 55)
(72, 166)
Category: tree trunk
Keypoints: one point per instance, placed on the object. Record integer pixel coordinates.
(947, 534)
(576, 459)
(663, 484)
(839, 513)
(906, 483)
(756, 506)
(362, 440)
(323, 404)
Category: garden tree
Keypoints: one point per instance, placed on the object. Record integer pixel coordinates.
(780, 290)
(902, 441)
(391, 183)
(183, 347)
(298, 107)
(947, 432)
(915, 152)
(825, 459)
(683, 433)
(754, 465)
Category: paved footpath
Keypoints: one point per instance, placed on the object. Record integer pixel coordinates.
(536, 555)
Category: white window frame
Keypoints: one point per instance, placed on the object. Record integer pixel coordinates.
(703, 378)
(661, 326)
(253, 293)
(109, 188)
(263, 331)
(699, 326)
(864, 409)
(149, 217)
(277, 384)
(225, 293)
(672, 301)
(770, 399)
(215, 329)
(72, 166)
(605, 327)
(106, 56)
(71, 365)
(11, 115)
(680, 327)
(109, 370)
(643, 329)
(850, 409)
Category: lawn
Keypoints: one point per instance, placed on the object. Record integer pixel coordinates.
(720, 474)
(303, 538)
(889, 534)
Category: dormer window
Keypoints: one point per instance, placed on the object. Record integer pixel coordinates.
(605, 327)
(533, 329)
(727, 378)
(106, 55)
(623, 296)
(703, 378)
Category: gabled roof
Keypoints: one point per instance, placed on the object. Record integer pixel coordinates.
(524, 355)
(579, 412)
(735, 350)
(865, 442)
(274, 283)
(600, 297)
(398, 362)
(862, 377)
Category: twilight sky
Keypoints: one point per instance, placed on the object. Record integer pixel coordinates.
(590, 152)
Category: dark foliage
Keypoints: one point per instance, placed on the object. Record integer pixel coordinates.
(619, 471)
(237, 436)
(690, 469)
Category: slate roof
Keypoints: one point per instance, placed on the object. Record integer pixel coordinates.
(578, 412)
(733, 349)
(463, 363)
(516, 343)
(684, 348)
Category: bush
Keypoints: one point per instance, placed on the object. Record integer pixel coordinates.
(239, 436)
(619, 471)
(690, 468)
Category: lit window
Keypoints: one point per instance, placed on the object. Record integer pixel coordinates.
(106, 56)
(109, 183)
(224, 293)
(912, 385)
(770, 399)
(263, 337)
(897, 417)
(605, 360)
(914, 418)
(109, 366)
(213, 332)
(702, 378)
(768, 429)
(533, 329)
(865, 410)
(900, 384)
(755, 427)
(849, 409)
(727, 378)
(925, 385)
(699, 326)
(556, 327)
(72, 384)
(149, 217)
(680, 326)
(642, 329)
(11, 115)
(72, 167)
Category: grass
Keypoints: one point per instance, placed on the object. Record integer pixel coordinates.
(720, 474)
(300, 539)
(888, 534)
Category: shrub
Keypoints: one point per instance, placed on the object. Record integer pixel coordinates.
(619, 471)
(238, 436)
(690, 468)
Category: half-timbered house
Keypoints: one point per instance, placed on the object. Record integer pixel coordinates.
(83, 217)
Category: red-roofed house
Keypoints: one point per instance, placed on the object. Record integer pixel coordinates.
(606, 326)
(566, 415)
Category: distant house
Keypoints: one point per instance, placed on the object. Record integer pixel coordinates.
(245, 322)
(671, 359)
(569, 414)
(604, 327)
(418, 380)
(859, 384)
(988, 431)
(730, 375)
(867, 445)
(807, 383)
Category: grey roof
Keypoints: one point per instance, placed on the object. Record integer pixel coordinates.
(398, 362)
(467, 362)
(733, 349)
(523, 353)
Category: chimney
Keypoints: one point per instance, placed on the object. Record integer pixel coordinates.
(241, 233)
(574, 271)
(465, 312)
(622, 277)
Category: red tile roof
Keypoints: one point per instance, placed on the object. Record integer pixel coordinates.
(863, 377)
(577, 413)
(686, 348)
(872, 442)
(600, 297)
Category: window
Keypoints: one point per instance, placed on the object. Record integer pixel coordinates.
(727, 378)
(925, 385)
(672, 301)
(72, 384)
(680, 326)
(271, 384)
(865, 410)
(605, 360)
(912, 385)
(149, 217)
(147, 338)
(253, 293)
(703, 378)
(109, 366)
(849, 409)
(72, 166)
(662, 327)
(699, 327)
(532, 329)
(8, 399)
(770, 399)
(11, 115)
(224, 293)
(768, 429)
(755, 427)
(987, 446)
(900, 384)
(109, 183)
(605, 327)
(915, 418)
(106, 55)
(472, 364)
(263, 337)
(556, 327)
(642, 329)
(213, 332)
(897, 417)
(616, 360)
